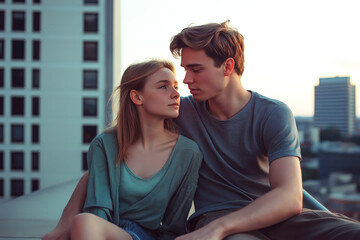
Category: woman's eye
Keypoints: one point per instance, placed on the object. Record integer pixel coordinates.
(163, 87)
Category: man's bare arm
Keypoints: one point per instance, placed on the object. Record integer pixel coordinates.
(73, 207)
(283, 201)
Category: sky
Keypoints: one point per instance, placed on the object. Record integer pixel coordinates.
(288, 44)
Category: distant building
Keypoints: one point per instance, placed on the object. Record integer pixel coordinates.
(338, 157)
(308, 134)
(56, 75)
(335, 105)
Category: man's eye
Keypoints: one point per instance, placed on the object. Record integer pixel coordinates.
(196, 70)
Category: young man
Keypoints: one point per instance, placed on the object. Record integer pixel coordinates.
(250, 181)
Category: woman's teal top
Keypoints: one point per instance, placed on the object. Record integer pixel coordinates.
(171, 196)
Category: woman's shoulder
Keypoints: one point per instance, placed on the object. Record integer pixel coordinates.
(187, 143)
(105, 138)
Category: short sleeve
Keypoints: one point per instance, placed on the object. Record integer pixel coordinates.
(280, 134)
(98, 198)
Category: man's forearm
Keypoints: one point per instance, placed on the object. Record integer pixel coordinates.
(267, 210)
(283, 201)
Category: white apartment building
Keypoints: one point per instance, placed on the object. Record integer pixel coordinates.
(56, 75)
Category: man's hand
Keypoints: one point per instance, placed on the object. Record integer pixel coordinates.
(211, 231)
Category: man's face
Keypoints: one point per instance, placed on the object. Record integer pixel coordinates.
(204, 80)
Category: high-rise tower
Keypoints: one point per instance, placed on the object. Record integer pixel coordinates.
(335, 105)
(56, 75)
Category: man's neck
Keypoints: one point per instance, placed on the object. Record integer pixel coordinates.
(231, 101)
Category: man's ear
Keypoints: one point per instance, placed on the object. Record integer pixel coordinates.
(135, 97)
(229, 65)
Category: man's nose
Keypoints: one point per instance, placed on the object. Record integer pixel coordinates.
(188, 78)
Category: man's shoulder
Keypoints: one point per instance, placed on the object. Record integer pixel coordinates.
(187, 100)
(267, 104)
(266, 100)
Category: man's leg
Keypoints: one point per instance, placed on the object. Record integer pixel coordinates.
(210, 216)
(316, 225)
(254, 235)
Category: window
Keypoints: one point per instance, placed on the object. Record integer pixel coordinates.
(89, 132)
(17, 106)
(1, 187)
(35, 161)
(17, 161)
(18, 21)
(84, 161)
(18, 1)
(17, 187)
(90, 22)
(1, 133)
(18, 78)
(17, 133)
(35, 133)
(18, 49)
(35, 106)
(2, 20)
(90, 1)
(36, 1)
(36, 21)
(1, 160)
(36, 50)
(89, 107)
(2, 49)
(2, 106)
(90, 79)
(36, 78)
(2, 73)
(35, 184)
(90, 51)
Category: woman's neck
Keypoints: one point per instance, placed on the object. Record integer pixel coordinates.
(153, 133)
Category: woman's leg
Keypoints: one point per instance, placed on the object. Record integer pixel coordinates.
(89, 226)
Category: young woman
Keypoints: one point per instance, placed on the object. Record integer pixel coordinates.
(142, 173)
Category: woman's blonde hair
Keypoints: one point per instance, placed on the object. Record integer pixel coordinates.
(127, 122)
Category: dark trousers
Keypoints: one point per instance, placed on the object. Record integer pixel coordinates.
(309, 225)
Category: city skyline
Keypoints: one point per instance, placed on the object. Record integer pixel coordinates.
(288, 45)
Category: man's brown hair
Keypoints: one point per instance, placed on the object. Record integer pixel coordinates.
(219, 42)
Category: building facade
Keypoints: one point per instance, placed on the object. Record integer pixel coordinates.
(335, 105)
(56, 75)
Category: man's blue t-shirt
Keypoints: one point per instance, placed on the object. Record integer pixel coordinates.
(237, 151)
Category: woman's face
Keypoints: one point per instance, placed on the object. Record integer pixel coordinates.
(159, 96)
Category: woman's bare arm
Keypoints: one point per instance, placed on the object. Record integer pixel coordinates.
(72, 208)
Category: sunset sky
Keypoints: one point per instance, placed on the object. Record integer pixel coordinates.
(288, 44)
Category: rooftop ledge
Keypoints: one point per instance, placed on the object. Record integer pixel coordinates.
(32, 216)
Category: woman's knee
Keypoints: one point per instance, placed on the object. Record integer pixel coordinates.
(83, 222)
